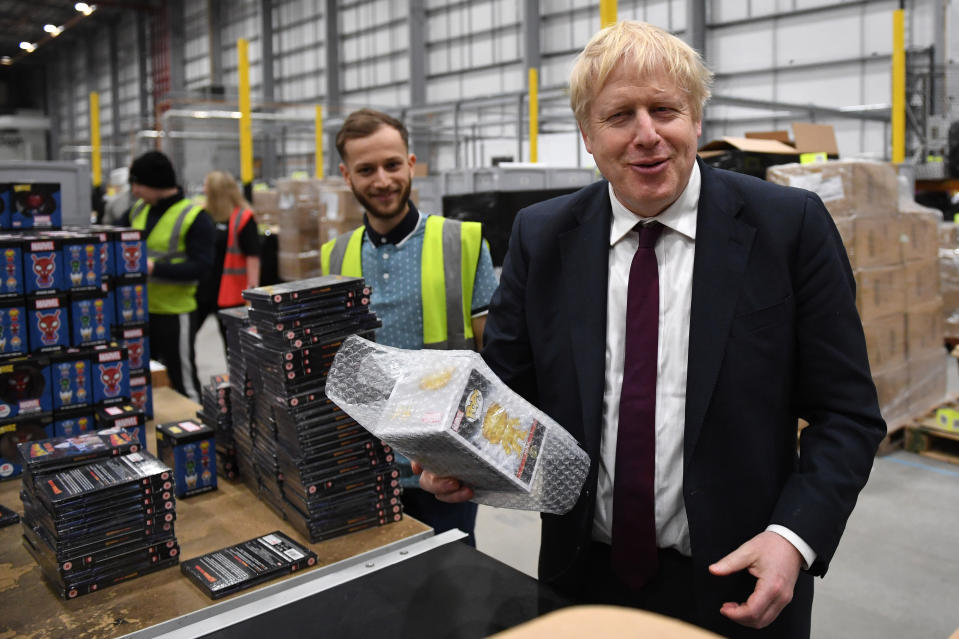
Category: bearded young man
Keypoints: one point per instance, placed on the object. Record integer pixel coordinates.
(432, 278)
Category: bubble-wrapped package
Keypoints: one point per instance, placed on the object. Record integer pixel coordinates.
(450, 412)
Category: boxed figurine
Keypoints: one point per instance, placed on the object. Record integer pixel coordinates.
(136, 339)
(11, 265)
(71, 386)
(110, 375)
(42, 265)
(124, 416)
(130, 300)
(25, 386)
(15, 431)
(81, 261)
(68, 423)
(189, 449)
(129, 253)
(48, 321)
(105, 237)
(13, 333)
(5, 206)
(91, 317)
(141, 393)
(36, 205)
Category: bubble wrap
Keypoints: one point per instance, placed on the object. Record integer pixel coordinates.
(448, 411)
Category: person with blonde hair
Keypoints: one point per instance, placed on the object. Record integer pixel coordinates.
(678, 320)
(236, 264)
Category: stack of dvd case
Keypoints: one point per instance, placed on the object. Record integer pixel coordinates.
(242, 393)
(98, 510)
(216, 412)
(302, 454)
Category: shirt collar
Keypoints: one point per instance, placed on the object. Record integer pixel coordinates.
(399, 233)
(679, 216)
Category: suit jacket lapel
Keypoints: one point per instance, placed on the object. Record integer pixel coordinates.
(584, 252)
(722, 251)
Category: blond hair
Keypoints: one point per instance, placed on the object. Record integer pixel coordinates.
(223, 195)
(651, 51)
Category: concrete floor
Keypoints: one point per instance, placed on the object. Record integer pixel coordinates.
(894, 576)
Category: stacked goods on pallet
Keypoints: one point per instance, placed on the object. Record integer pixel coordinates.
(892, 249)
(266, 206)
(949, 278)
(98, 510)
(300, 209)
(297, 450)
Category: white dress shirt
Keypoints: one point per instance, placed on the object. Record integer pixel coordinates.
(675, 254)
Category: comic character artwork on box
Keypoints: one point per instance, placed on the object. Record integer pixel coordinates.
(91, 321)
(110, 376)
(36, 206)
(71, 426)
(130, 256)
(131, 303)
(25, 387)
(71, 383)
(49, 330)
(11, 281)
(11, 329)
(141, 394)
(82, 264)
(43, 269)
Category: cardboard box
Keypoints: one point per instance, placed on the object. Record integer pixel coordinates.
(36, 205)
(877, 241)
(746, 155)
(13, 327)
(72, 422)
(886, 341)
(331, 229)
(11, 266)
(920, 228)
(948, 235)
(892, 386)
(43, 265)
(48, 318)
(266, 206)
(927, 381)
(924, 328)
(847, 187)
(880, 292)
(21, 429)
(110, 375)
(25, 386)
(341, 204)
(299, 228)
(298, 266)
(70, 380)
(921, 282)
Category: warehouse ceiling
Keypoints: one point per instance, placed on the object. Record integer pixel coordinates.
(23, 21)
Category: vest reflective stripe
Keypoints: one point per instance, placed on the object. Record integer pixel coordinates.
(450, 255)
(166, 243)
(234, 278)
(343, 255)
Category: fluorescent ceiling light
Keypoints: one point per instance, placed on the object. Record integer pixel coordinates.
(53, 29)
(84, 8)
(27, 46)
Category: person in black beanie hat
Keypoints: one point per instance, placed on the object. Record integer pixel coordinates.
(179, 238)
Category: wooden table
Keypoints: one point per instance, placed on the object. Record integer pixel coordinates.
(228, 515)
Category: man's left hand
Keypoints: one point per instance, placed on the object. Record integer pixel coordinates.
(775, 563)
(150, 266)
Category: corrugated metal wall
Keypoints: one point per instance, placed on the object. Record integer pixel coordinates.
(462, 84)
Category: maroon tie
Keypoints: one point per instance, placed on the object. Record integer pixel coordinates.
(634, 520)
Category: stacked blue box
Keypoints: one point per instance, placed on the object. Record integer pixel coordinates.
(11, 261)
(59, 311)
(13, 331)
(42, 265)
(136, 339)
(47, 317)
(91, 317)
(5, 206)
(111, 375)
(35, 205)
(130, 300)
(71, 382)
(129, 253)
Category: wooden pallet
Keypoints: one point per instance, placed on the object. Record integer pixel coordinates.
(932, 442)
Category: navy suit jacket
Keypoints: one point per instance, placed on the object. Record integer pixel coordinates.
(774, 335)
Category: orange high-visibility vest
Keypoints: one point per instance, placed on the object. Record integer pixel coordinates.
(234, 280)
